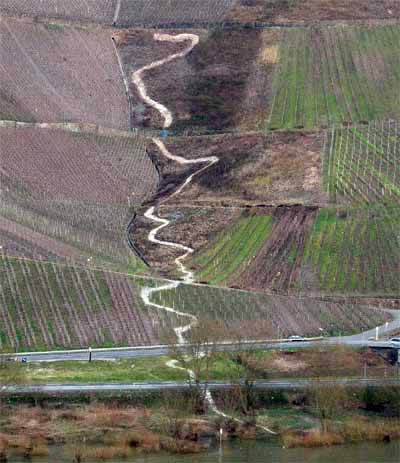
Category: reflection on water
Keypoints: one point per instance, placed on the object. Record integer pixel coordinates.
(265, 452)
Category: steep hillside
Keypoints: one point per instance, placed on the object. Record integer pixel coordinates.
(71, 192)
(47, 306)
(101, 11)
(222, 84)
(306, 11)
(335, 75)
(60, 73)
(345, 251)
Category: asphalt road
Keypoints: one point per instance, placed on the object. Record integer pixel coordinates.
(156, 351)
(286, 384)
(358, 340)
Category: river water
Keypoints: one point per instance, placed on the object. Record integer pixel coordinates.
(264, 452)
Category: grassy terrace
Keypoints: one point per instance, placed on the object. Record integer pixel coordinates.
(355, 250)
(344, 250)
(233, 249)
(153, 369)
(315, 362)
(336, 75)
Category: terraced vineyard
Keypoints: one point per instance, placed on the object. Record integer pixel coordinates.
(48, 306)
(59, 73)
(148, 12)
(354, 251)
(278, 241)
(71, 193)
(252, 315)
(122, 12)
(73, 178)
(101, 11)
(336, 250)
(234, 248)
(362, 164)
(336, 75)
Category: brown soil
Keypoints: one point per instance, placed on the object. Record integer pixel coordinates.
(62, 165)
(382, 303)
(221, 84)
(338, 361)
(286, 11)
(277, 265)
(280, 168)
(191, 226)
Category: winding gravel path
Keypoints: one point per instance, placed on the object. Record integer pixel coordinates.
(188, 276)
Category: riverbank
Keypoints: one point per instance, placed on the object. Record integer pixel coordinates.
(104, 427)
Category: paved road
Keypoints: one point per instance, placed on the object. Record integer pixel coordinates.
(286, 384)
(156, 351)
(358, 340)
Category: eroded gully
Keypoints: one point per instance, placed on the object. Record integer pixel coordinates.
(206, 162)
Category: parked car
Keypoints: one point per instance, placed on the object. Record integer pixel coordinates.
(296, 338)
(395, 341)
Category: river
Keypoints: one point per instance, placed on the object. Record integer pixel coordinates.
(262, 452)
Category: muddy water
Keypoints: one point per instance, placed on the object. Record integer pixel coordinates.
(262, 452)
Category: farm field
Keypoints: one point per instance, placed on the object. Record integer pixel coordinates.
(56, 164)
(228, 259)
(194, 226)
(101, 11)
(305, 11)
(128, 13)
(71, 192)
(354, 250)
(362, 163)
(44, 305)
(224, 83)
(334, 250)
(336, 75)
(48, 306)
(154, 12)
(58, 73)
(261, 161)
(253, 315)
(235, 249)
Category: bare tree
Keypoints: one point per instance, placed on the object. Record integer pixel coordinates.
(328, 402)
(11, 372)
(196, 358)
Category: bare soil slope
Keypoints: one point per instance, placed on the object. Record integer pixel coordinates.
(279, 168)
(223, 83)
(286, 11)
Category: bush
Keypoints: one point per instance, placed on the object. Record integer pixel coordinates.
(382, 400)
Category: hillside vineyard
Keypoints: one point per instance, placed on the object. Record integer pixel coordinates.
(170, 163)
